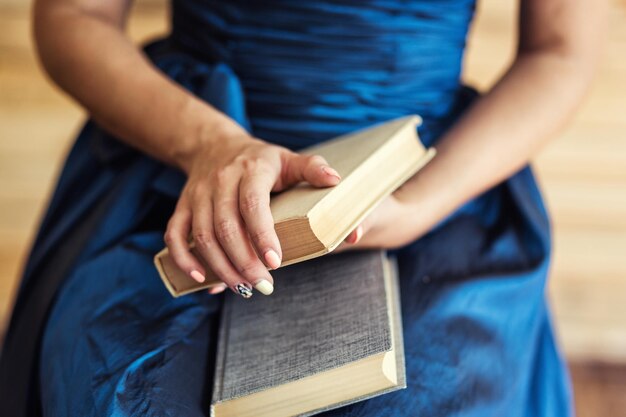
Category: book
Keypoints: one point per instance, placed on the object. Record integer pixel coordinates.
(330, 335)
(311, 222)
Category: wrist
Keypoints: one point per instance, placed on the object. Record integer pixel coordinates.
(205, 133)
(425, 204)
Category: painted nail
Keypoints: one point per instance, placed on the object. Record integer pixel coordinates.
(243, 290)
(197, 276)
(328, 170)
(272, 259)
(359, 234)
(218, 289)
(264, 287)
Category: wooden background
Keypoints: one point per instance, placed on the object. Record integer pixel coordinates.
(583, 173)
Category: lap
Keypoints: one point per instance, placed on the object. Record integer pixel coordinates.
(117, 344)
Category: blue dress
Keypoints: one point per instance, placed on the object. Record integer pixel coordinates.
(94, 331)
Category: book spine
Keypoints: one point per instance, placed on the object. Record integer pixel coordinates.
(396, 320)
(222, 351)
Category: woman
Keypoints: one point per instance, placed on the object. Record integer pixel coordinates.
(192, 136)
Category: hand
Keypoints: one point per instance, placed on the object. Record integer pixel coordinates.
(225, 207)
(392, 224)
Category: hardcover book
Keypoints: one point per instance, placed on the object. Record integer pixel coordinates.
(330, 335)
(311, 221)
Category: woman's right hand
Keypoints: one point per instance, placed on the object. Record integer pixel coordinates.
(225, 207)
(225, 203)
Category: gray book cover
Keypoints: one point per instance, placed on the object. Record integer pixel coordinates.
(324, 313)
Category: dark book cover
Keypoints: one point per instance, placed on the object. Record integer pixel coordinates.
(325, 313)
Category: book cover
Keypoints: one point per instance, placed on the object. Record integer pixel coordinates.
(329, 335)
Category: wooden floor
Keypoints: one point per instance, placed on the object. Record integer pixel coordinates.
(599, 389)
(583, 173)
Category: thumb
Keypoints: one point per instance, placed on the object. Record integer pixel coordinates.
(310, 168)
(355, 235)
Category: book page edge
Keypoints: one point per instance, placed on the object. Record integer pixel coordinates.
(423, 160)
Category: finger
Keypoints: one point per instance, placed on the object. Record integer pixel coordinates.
(342, 247)
(175, 238)
(358, 234)
(310, 168)
(351, 238)
(254, 206)
(217, 289)
(355, 235)
(232, 235)
(209, 248)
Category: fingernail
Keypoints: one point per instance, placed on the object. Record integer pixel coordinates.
(328, 170)
(197, 276)
(272, 259)
(218, 289)
(359, 234)
(243, 290)
(264, 287)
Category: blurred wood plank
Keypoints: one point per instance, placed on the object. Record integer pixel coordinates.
(583, 174)
(37, 126)
(599, 389)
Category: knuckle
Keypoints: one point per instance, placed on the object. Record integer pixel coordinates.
(225, 229)
(250, 203)
(316, 160)
(257, 166)
(241, 158)
(198, 191)
(260, 236)
(249, 165)
(222, 176)
(203, 240)
(168, 238)
(288, 157)
(267, 167)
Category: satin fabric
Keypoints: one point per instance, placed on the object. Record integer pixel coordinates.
(477, 330)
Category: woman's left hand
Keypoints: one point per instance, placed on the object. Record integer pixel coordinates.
(392, 224)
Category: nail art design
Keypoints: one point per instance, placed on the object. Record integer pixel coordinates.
(243, 290)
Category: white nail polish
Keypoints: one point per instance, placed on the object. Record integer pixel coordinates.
(264, 287)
